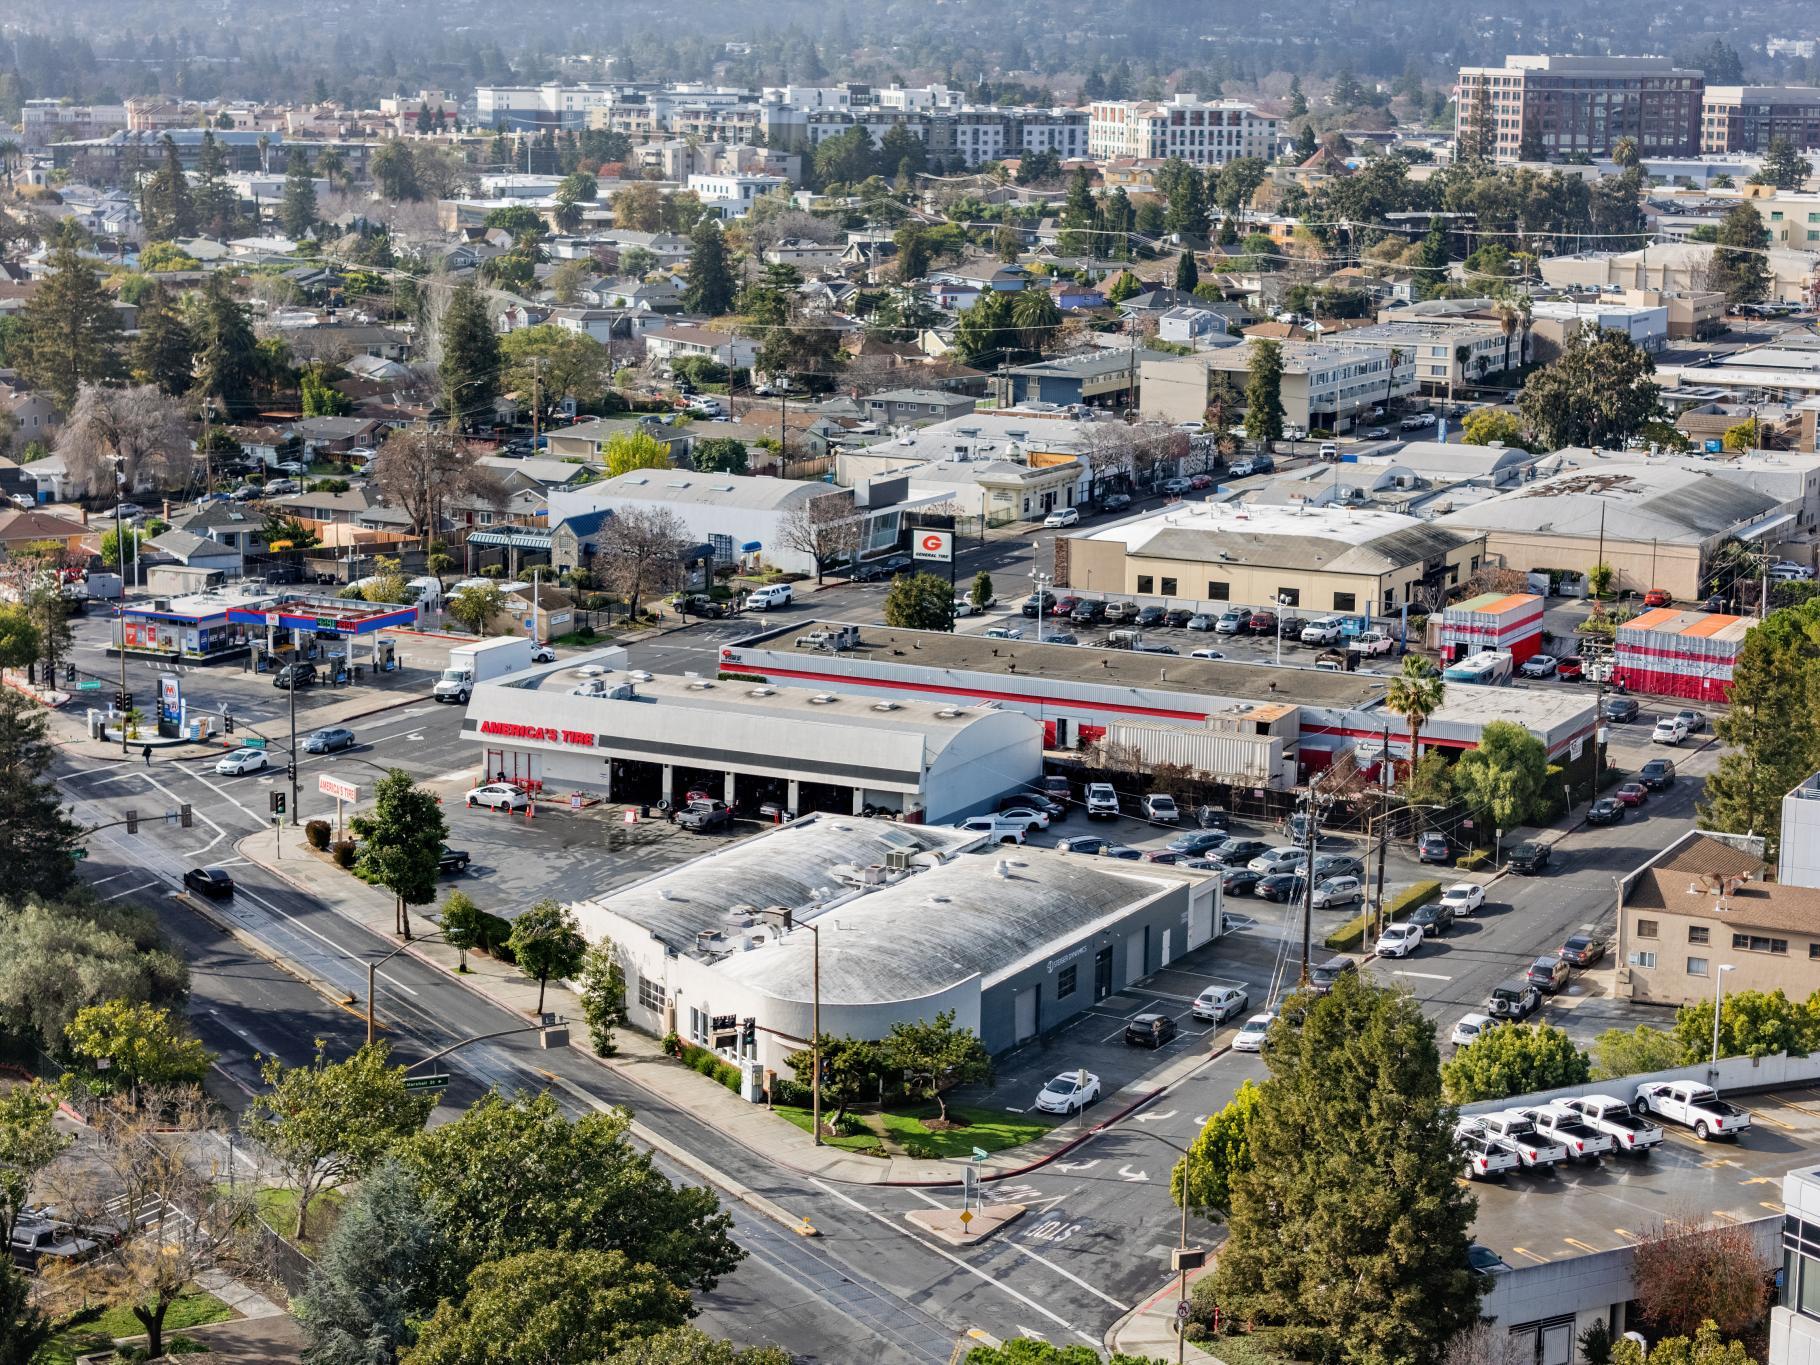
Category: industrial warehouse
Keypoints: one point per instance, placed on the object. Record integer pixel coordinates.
(896, 922)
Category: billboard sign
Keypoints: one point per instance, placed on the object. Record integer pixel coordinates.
(934, 545)
(337, 788)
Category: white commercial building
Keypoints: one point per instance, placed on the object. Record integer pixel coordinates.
(634, 736)
(1794, 1323)
(1553, 322)
(1200, 132)
(885, 922)
(734, 194)
(1330, 384)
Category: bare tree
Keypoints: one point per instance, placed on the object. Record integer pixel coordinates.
(141, 425)
(420, 468)
(1109, 453)
(1692, 1268)
(1485, 1343)
(641, 553)
(825, 528)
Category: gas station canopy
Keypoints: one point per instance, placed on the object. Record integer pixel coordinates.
(342, 617)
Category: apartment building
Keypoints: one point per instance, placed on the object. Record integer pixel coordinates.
(1561, 106)
(1743, 118)
(1326, 384)
(966, 135)
(1447, 354)
(42, 122)
(1200, 132)
(1794, 1321)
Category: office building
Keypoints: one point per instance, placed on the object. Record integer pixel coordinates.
(1549, 107)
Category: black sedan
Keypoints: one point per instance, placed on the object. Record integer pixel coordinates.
(1177, 617)
(1605, 811)
(1239, 881)
(1279, 886)
(1434, 919)
(208, 881)
(1621, 710)
(1149, 618)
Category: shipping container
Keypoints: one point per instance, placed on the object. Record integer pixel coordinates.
(1224, 755)
(1508, 622)
(1673, 653)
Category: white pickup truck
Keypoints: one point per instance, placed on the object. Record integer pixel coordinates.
(1696, 1106)
(1612, 1116)
(1534, 1150)
(1582, 1141)
(1371, 642)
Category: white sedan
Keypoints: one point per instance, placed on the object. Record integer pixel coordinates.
(243, 761)
(498, 796)
(1251, 1034)
(1540, 666)
(1217, 1004)
(1069, 1093)
(1277, 860)
(1062, 516)
(1399, 940)
(1463, 898)
(1028, 816)
(963, 607)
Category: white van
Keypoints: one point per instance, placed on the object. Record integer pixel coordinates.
(770, 597)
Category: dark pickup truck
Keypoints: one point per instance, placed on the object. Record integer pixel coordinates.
(702, 816)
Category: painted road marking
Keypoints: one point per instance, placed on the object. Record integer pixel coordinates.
(1051, 1222)
(1422, 976)
(1525, 1251)
(135, 890)
(1126, 1173)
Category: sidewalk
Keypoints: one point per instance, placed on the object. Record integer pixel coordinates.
(1148, 1331)
(640, 1058)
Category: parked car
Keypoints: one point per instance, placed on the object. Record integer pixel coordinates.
(1486, 1157)
(1161, 809)
(1658, 597)
(1607, 810)
(1584, 947)
(1321, 979)
(1168, 857)
(1463, 897)
(1325, 631)
(1062, 516)
(1693, 1105)
(1149, 1030)
(1539, 666)
(1069, 1093)
(542, 654)
(1002, 633)
(1470, 1029)
(1669, 730)
(1548, 974)
(1197, 841)
(1534, 1151)
(1251, 1034)
(1337, 865)
(1282, 887)
(1177, 617)
(1149, 618)
(1691, 718)
(498, 796)
(1416, 421)
(1202, 621)
(1102, 801)
(1434, 919)
(1205, 654)
(1371, 643)
(1432, 848)
(1262, 623)
(242, 761)
(1002, 831)
(295, 675)
(1236, 881)
(36, 1241)
(1081, 843)
(1337, 891)
(1291, 627)
(1572, 668)
(1124, 852)
(329, 740)
(1233, 621)
(1114, 611)
(1087, 611)
(1529, 857)
(1029, 817)
(1239, 852)
(208, 881)
(1630, 1133)
(1038, 602)
(1631, 794)
(1398, 940)
(1658, 774)
(1513, 999)
(453, 859)
(1116, 502)
(1284, 859)
(1064, 605)
(1558, 1123)
(1621, 710)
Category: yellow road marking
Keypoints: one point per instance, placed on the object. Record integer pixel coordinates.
(1525, 1251)
(1576, 1242)
(1771, 1205)
(1760, 1117)
(1626, 1234)
(1728, 1217)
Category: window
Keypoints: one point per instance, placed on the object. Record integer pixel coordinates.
(1813, 952)
(1696, 966)
(1289, 597)
(1169, 587)
(1645, 959)
(650, 994)
(1345, 601)
(1219, 592)
(1699, 933)
(1146, 583)
(1757, 943)
(1064, 983)
(1646, 928)
(698, 1026)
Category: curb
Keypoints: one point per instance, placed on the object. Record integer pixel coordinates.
(253, 945)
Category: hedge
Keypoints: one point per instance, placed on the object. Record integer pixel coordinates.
(317, 832)
(1352, 933)
(1472, 862)
(700, 1059)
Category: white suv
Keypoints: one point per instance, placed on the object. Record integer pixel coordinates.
(1669, 730)
(1325, 631)
(1102, 801)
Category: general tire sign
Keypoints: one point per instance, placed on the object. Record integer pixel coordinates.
(934, 545)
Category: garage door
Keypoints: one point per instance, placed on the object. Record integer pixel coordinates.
(1137, 953)
(1023, 1014)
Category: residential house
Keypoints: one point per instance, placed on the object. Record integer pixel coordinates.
(589, 439)
(29, 416)
(915, 407)
(536, 473)
(335, 342)
(805, 255)
(1195, 327)
(194, 551)
(1101, 378)
(325, 507)
(1073, 297)
(21, 528)
(231, 525)
(576, 539)
(336, 435)
(682, 340)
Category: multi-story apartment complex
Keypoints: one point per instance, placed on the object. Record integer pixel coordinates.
(1200, 132)
(1549, 107)
(1743, 118)
(967, 135)
(555, 105)
(42, 122)
(1332, 384)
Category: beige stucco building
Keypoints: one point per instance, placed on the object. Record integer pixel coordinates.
(1312, 560)
(1329, 384)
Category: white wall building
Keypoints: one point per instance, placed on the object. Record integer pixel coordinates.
(735, 192)
(1794, 1323)
(1201, 132)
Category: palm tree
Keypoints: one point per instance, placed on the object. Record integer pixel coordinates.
(1416, 694)
(265, 154)
(1396, 359)
(1509, 318)
(1036, 317)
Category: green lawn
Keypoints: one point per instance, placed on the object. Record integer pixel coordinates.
(863, 1142)
(895, 1132)
(278, 1211)
(97, 1334)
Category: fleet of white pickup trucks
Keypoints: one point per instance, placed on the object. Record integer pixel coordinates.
(1587, 1127)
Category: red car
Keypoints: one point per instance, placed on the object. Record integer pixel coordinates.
(1263, 623)
(1657, 597)
(1570, 669)
(1064, 606)
(1201, 481)
(1632, 793)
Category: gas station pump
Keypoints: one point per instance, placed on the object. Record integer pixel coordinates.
(385, 654)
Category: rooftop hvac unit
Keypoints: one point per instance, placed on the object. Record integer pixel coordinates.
(821, 699)
(884, 706)
(760, 691)
(873, 874)
(898, 859)
(641, 675)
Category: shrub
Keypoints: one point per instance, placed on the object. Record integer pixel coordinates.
(1352, 933)
(672, 1045)
(317, 832)
(786, 1091)
(344, 853)
(494, 933)
(1472, 862)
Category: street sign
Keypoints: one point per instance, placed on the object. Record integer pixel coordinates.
(426, 1082)
(1181, 1311)
(966, 1217)
(252, 742)
(934, 545)
(89, 685)
(78, 853)
(980, 1153)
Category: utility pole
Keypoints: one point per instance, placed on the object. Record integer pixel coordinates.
(120, 602)
(1312, 818)
(292, 689)
(1386, 771)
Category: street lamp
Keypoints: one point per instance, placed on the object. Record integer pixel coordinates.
(373, 970)
(1718, 1000)
(1040, 580)
(788, 920)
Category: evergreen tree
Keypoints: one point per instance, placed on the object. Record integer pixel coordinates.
(365, 1292)
(1078, 216)
(68, 330)
(1305, 144)
(1740, 267)
(711, 285)
(298, 211)
(1264, 392)
(1350, 1223)
(395, 172)
(1783, 166)
(216, 207)
(1598, 392)
(229, 358)
(36, 839)
(164, 201)
(469, 371)
(164, 352)
(1187, 275)
(1298, 102)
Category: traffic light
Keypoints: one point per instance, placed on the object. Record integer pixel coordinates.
(227, 721)
(277, 803)
(132, 822)
(290, 771)
(123, 701)
(748, 1034)
(183, 816)
(69, 673)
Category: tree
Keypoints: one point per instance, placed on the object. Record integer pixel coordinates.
(711, 285)
(24, 1327)
(1706, 1348)
(933, 1056)
(582, 1177)
(1492, 426)
(1264, 392)
(550, 1305)
(919, 601)
(227, 361)
(474, 607)
(1124, 286)
(164, 202)
(327, 1123)
(826, 529)
(1783, 166)
(1028, 1351)
(553, 363)
(57, 959)
(1351, 1224)
(1599, 579)
(29, 1142)
(603, 995)
(130, 1046)
(362, 1301)
(420, 468)
(1221, 1152)
(297, 211)
(983, 332)
(68, 331)
(1740, 264)
(164, 352)
(1751, 1024)
(141, 426)
(1746, 435)
(981, 593)
(719, 455)
(1513, 1059)
(468, 372)
(641, 554)
(401, 843)
(1305, 144)
(37, 840)
(692, 1346)
(1298, 102)
(394, 172)
(1036, 319)
(1186, 274)
(852, 1069)
(546, 941)
(630, 450)
(20, 639)
(1596, 393)
(1503, 776)
(1688, 1272)
(1617, 1054)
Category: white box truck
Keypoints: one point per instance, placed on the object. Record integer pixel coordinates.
(479, 662)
